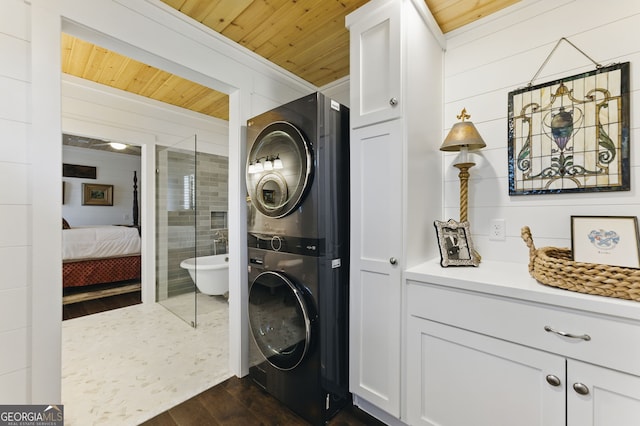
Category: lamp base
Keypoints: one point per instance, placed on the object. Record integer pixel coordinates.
(464, 191)
(464, 187)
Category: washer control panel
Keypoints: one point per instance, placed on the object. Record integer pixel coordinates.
(280, 243)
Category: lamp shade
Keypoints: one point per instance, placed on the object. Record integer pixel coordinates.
(463, 134)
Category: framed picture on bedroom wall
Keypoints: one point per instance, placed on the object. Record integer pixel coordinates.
(97, 195)
(76, 171)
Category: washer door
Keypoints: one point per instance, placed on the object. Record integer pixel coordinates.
(279, 319)
(279, 169)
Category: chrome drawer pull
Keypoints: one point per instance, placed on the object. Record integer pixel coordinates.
(569, 335)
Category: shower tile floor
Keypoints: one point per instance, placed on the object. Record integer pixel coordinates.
(127, 365)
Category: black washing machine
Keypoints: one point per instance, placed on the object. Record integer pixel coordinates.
(298, 239)
(298, 316)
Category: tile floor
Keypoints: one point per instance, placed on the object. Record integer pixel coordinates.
(127, 365)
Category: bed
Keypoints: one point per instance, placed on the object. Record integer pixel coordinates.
(101, 254)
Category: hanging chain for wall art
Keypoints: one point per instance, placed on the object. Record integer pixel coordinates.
(571, 134)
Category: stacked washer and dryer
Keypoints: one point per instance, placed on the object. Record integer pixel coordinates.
(298, 242)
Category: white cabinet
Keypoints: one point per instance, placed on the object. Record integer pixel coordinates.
(612, 398)
(459, 378)
(479, 358)
(375, 64)
(502, 383)
(376, 246)
(396, 121)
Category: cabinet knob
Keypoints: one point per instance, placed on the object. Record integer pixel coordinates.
(553, 380)
(393, 101)
(393, 261)
(581, 388)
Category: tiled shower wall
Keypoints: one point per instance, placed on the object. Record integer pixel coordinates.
(185, 233)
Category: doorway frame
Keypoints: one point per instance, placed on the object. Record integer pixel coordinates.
(48, 19)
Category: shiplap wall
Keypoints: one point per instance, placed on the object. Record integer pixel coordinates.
(15, 201)
(484, 62)
(94, 110)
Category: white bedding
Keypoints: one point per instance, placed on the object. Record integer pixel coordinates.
(91, 242)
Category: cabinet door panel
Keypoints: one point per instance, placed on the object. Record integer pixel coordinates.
(375, 66)
(613, 398)
(459, 378)
(375, 279)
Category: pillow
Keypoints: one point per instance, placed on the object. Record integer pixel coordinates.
(65, 224)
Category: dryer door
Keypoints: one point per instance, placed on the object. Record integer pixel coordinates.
(279, 169)
(280, 320)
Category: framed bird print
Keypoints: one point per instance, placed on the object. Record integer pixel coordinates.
(571, 134)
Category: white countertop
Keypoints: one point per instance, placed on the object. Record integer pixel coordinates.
(513, 280)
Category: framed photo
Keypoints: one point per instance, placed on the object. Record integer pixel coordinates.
(97, 195)
(607, 240)
(454, 241)
(571, 134)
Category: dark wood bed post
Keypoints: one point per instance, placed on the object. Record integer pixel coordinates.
(135, 199)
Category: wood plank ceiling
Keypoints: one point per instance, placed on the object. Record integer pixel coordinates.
(306, 37)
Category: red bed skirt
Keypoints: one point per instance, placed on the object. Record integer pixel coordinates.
(98, 271)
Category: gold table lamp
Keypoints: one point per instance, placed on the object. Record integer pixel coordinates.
(463, 137)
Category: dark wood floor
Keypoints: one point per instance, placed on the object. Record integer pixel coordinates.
(80, 309)
(239, 402)
(235, 402)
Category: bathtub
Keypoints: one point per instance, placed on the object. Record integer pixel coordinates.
(209, 273)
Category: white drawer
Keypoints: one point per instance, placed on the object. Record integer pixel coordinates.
(614, 342)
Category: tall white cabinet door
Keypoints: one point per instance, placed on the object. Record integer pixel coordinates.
(376, 264)
(375, 62)
(608, 397)
(459, 378)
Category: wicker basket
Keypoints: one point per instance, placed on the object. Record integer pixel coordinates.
(553, 266)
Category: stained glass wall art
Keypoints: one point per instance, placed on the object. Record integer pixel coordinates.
(571, 134)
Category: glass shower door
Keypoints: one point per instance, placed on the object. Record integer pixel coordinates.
(176, 224)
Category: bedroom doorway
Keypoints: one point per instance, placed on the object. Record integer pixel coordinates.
(102, 236)
(152, 125)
